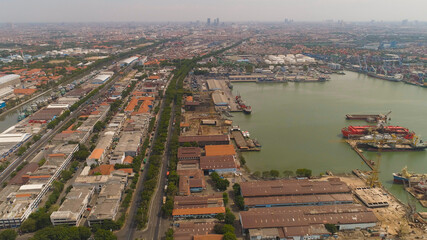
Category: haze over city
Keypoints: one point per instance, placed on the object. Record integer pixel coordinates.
(194, 10)
(213, 119)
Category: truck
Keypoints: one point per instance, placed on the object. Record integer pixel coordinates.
(164, 199)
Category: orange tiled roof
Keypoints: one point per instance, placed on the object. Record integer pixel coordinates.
(104, 169)
(56, 155)
(23, 195)
(40, 176)
(208, 237)
(126, 170)
(24, 91)
(96, 153)
(219, 150)
(128, 159)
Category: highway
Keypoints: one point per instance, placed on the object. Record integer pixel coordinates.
(36, 147)
(129, 230)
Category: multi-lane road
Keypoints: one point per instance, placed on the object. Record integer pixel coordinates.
(36, 147)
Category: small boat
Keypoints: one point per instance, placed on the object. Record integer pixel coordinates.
(257, 144)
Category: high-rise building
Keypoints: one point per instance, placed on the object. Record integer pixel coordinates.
(217, 21)
(208, 22)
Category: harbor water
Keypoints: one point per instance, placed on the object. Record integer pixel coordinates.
(299, 124)
(9, 119)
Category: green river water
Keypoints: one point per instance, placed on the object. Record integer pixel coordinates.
(299, 124)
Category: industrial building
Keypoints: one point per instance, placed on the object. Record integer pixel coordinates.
(189, 153)
(10, 80)
(191, 213)
(190, 230)
(206, 139)
(101, 78)
(220, 150)
(108, 203)
(220, 164)
(220, 99)
(292, 187)
(71, 210)
(128, 61)
(9, 142)
(304, 222)
(299, 200)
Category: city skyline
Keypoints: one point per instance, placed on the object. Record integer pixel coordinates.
(228, 11)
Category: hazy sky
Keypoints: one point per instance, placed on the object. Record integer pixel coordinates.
(226, 10)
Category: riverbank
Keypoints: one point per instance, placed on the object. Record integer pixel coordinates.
(299, 124)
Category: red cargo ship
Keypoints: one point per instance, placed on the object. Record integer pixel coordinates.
(360, 131)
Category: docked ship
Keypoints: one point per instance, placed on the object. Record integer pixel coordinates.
(360, 131)
(394, 78)
(408, 177)
(391, 143)
(245, 108)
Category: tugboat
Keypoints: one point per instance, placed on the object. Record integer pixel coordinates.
(247, 110)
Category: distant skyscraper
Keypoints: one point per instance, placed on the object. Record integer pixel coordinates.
(208, 22)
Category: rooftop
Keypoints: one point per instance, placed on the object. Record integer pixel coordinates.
(292, 187)
(219, 150)
(306, 215)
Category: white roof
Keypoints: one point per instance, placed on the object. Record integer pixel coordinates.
(9, 78)
(56, 105)
(13, 138)
(129, 60)
(31, 187)
(102, 77)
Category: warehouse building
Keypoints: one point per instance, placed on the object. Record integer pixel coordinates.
(189, 153)
(10, 80)
(292, 187)
(299, 200)
(128, 61)
(219, 164)
(220, 150)
(197, 213)
(206, 139)
(72, 209)
(9, 142)
(190, 230)
(101, 78)
(304, 222)
(213, 85)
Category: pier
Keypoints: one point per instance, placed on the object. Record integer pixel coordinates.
(359, 152)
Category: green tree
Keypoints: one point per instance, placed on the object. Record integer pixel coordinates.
(225, 198)
(274, 173)
(266, 174)
(220, 216)
(223, 228)
(169, 234)
(62, 233)
(257, 174)
(331, 228)
(229, 236)
(229, 216)
(98, 126)
(303, 172)
(288, 173)
(8, 234)
(102, 234)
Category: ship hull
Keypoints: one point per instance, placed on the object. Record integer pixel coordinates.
(399, 179)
